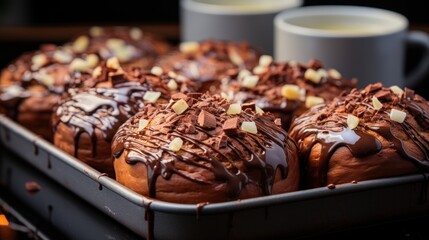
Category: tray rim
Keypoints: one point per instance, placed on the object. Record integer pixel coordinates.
(6, 124)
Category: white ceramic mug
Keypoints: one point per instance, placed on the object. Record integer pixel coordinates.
(234, 20)
(363, 42)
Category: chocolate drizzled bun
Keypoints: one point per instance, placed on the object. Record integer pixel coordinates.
(208, 62)
(374, 133)
(132, 46)
(87, 119)
(200, 148)
(286, 89)
(31, 86)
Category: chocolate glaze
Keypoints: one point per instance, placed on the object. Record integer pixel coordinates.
(104, 109)
(326, 125)
(267, 93)
(265, 152)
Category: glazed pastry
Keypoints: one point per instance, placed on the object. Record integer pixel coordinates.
(200, 148)
(87, 118)
(208, 62)
(31, 86)
(286, 89)
(374, 133)
(132, 46)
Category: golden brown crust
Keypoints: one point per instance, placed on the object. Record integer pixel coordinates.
(100, 160)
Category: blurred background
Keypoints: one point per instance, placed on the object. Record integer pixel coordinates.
(25, 24)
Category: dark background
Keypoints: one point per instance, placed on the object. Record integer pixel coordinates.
(25, 24)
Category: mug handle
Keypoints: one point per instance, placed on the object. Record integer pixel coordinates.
(420, 39)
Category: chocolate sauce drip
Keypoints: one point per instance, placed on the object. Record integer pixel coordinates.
(104, 109)
(200, 207)
(270, 151)
(359, 143)
(149, 216)
(326, 126)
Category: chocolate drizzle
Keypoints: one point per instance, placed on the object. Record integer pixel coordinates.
(326, 126)
(104, 109)
(267, 93)
(232, 164)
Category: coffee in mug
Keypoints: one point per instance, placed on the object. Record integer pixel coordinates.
(363, 42)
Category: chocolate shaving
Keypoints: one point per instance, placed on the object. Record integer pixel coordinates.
(251, 106)
(179, 95)
(195, 95)
(223, 142)
(384, 95)
(230, 126)
(373, 87)
(206, 119)
(409, 93)
(32, 187)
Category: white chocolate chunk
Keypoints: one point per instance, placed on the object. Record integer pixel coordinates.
(125, 53)
(92, 60)
(113, 63)
(250, 81)
(180, 106)
(352, 121)
(311, 101)
(397, 115)
(249, 127)
(151, 96)
(291, 91)
(38, 61)
(259, 110)
(397, 90)
(172, 85)
(78, 64)
(142, 124)
(376, 103)
(44, 78)
(181, 78)
(136, 33)
(97, 72)
(62, 56)
(265, 60)
(114, 44)
(176, 144)
(322, 72)
(189, 47)
(233, 109)
(172, 74)
(302, 94)
(259, 70)
(312, 75)
(243, 73)
(333, 73)
(80, 44)
(224, 96)
(156, 70)
(235, 58)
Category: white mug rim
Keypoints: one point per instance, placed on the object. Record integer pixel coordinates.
(198, 6)
(399, 22)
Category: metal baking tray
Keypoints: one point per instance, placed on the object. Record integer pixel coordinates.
(52, 206)
(291, 215)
